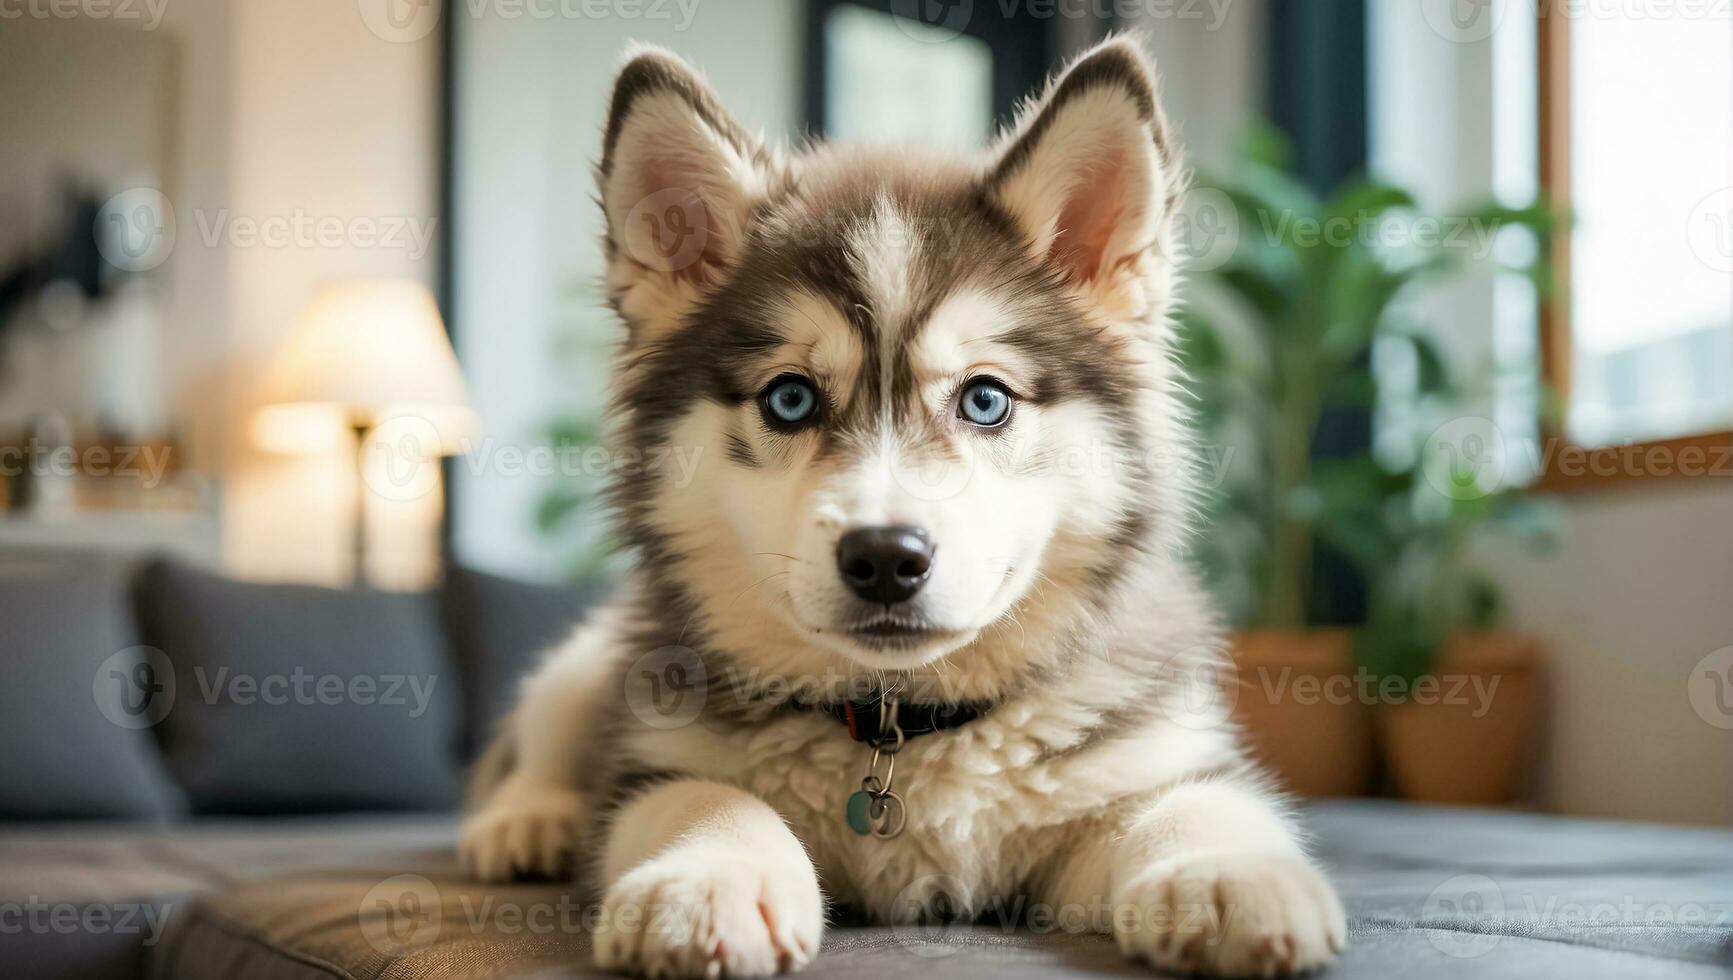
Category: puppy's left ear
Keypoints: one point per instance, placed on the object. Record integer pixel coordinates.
(1089, 173)
(679, 178)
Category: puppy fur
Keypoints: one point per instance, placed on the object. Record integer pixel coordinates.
(1106, 782)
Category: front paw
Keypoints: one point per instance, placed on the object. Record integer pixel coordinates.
(525, 828)
(704, 913)
(1231, 915)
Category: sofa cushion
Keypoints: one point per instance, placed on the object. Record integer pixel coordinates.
(75, 704)
(1430, 893)
(500, 628)
(295, 699)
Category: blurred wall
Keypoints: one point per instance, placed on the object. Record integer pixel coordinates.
(532, 102)
(1633, 600)
(196, 336)
(1636, 595)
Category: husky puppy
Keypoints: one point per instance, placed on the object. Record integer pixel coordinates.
(915, 635)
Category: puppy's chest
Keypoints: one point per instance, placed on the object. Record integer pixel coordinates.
(978, 809)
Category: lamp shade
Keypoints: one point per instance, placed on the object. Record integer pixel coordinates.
(366, 352)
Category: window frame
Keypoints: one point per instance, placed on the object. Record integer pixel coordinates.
(1023, 47)
(1568, 466)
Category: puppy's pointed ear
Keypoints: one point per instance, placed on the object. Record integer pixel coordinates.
(1088, 172)
(678, 180)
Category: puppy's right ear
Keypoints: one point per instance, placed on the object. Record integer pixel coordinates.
(678, 180)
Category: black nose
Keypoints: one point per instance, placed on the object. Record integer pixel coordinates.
(885, 564)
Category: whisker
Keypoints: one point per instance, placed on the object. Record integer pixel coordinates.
(756, 584)
(1023, 637)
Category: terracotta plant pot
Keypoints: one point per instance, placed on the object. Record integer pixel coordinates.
(1302, 710)
(1463, 736)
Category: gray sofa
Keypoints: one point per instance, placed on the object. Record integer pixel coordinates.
(228, 836)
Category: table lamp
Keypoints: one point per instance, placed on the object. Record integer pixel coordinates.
(366, 354)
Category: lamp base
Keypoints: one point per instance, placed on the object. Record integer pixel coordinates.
(359, 577)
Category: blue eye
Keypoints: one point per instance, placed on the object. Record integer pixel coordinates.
(790, 400)
(985, 403)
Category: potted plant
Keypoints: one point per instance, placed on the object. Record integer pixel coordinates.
(1278, 334)
(1456, 697)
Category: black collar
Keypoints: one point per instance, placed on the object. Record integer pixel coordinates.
(915, 718)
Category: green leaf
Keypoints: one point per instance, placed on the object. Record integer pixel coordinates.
(1262, 293)
(575, 433)
(1349, 480)
(1484, 603)
(1434, 371)
(1271, 205)
(1361, 290)
(1493, 215)
(1352, 389)
(1399, 642)
(557, 507)
(1367, 200)
(1198, 345)
(1361, 538)
(1266, 146)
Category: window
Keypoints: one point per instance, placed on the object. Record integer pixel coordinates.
(1636, 145)
(897, 80)
(936, 73)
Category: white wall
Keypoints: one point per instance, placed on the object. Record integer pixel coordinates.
(533, 102)
(1641, 588)
(196, 338)
(1639, 592)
